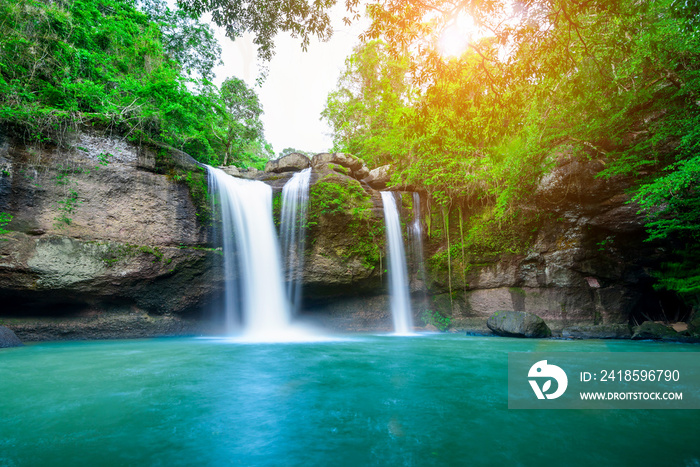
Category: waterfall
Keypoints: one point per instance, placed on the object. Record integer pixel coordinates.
(295, 200)
(398, 277)
(252, 254)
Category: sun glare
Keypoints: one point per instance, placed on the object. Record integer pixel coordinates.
(454, 40)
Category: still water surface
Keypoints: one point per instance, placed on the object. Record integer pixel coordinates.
(362, 400)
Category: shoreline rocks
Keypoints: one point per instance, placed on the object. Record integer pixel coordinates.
(8, 338)
(599, 331)
(518, 324)
(655, 331)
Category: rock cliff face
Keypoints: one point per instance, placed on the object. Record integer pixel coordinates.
(588, 262)
(97, 233)
(107, 240)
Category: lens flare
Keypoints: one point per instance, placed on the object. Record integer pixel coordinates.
(454, 40)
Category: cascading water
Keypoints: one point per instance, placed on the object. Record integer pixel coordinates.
(398, 277)
(250, 248)
(295, 200)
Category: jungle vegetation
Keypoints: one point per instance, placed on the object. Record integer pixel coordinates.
(613, 81)
(139, 69)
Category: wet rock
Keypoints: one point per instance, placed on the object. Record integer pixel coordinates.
(232, 170)
(343, 248)
(114, 324)
(8, 338)
(600, 331)
(656, 331)
(518, 324)
(293, 162)
(251, 173)
(132, 237)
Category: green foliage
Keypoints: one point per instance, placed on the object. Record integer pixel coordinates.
(368, 109)
(672, 207)
(241, 116)
(277, 208)
(368, 242)
(333, 195)
(436, 319)
(191, 43)
(683, 274)
(5, 219)
(613, 81)
(113, 253)
(155, 251)
(484, 237)
(65, 65)
(103, 160)
(672, 201)
(344, 199)
(265, 18)
(339, 168)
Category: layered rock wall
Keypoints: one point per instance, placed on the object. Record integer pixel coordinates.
(96, 230)
(587, 263)
(103, 243)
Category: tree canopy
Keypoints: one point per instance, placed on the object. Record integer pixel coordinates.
(370, 106)
(617, 81)
(265, 18)
(65, 65)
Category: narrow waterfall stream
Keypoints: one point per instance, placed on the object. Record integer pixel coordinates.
(251, 251)
(398, 277)
(295, 201)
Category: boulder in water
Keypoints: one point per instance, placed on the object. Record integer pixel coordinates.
(8, 338)
(293, 162)
(656, 331)
(518, 324)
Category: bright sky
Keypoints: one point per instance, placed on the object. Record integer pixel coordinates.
(297, 84)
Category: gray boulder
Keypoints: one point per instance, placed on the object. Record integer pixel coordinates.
(600, 331)
(232, 170)
(349, 161)
(656, 331)
(379, 177)
(8, 338)
(293, 162)
(361, 173)
(518, 324)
